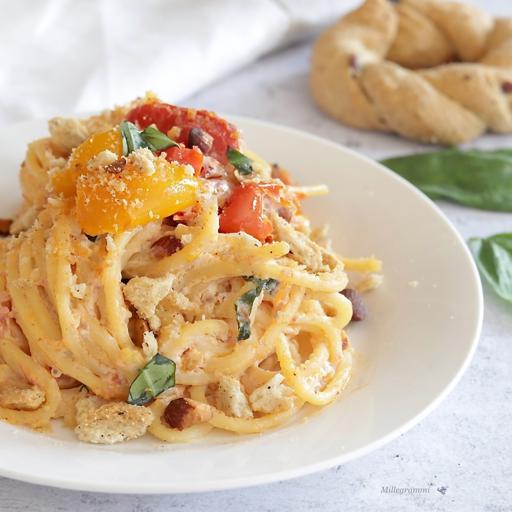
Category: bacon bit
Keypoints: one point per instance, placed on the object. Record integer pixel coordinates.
(344, 341)
(358, 307)
(5, 226)
(137, 326)
(166, 246)
(182, 413)
(203, 140)
(169, 221)
(117, 166)
(506, 87)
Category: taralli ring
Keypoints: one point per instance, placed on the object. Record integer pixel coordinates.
(434, 71)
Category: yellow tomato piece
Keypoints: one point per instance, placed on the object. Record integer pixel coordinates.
(64, 181)
(114, 202)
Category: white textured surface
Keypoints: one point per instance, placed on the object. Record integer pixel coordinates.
(462, 452)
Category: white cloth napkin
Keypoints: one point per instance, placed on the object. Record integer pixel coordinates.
(66, 56)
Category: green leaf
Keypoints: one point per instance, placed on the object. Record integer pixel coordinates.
(269, 285)
(493, 256)
(151, 138)
(131, 137)
(156, 140)
(157, 376)
(245, 303)
(240, 161)
(481, 179)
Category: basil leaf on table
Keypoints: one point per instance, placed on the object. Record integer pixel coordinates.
(244, 305)
(480, 179)
(157, 376)
(240, 161)
(493, 256)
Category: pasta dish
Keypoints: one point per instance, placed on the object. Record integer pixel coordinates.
(162, 278)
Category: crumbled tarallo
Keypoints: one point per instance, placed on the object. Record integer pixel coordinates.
(149, 345)
(102, 422)
(144, 160)
(102, 159)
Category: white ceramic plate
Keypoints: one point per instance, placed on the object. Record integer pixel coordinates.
(421, 332)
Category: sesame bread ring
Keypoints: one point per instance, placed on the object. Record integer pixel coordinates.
(429, 70)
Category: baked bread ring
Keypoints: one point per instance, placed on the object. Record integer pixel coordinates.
(434, 71)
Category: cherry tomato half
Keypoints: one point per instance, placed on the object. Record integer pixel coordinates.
(166, 116)
(244, 212)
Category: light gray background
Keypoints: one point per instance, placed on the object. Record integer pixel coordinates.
(462, 451)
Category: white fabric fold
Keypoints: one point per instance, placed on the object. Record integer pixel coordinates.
(66, 56)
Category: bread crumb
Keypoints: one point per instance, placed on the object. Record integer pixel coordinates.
(102, 159)
(149, 345)
(144, 160)
(230, 398)
(102, 422)
(145, 293)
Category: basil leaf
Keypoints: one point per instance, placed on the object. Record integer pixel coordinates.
(156, 140)
(268, 285)
(481, 179)
(157, 376)
(245, 304)
(151, 138)
(493, 256)
(240, 161)
(131, 137)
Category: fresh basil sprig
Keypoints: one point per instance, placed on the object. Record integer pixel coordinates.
(240, 161)
(151, 138)
(131, 137)
(493, 256)
(245, 303)
(480, 179)
(157, 376)
(156, 140)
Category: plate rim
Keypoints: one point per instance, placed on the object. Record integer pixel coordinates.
(274, 476)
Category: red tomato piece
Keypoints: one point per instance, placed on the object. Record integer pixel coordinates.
(166, 116)
(244, 212)
(182, 155)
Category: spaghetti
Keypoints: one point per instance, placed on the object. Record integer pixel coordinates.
(162, 278)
